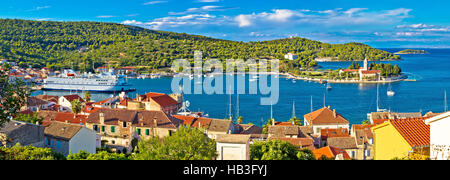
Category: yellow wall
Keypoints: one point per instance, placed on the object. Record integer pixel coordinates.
(389, 143)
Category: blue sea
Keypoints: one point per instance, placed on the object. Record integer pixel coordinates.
(353, 101)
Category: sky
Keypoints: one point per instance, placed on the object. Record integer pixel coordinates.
(379, 23)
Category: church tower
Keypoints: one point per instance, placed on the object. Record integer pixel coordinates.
(366, 64)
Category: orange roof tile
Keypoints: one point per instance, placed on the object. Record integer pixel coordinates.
(325, 116)
(330, 152)
(329, 133)
(413, 130)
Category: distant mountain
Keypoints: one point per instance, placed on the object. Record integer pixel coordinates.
(81, 44)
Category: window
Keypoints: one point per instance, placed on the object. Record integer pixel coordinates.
(353, 154)
(147, 132)
(124, 124)
(138, 131)
(58, 144)
(367, 153)
(103, 128)
(48, 141)
(95, 128)
(113, 129)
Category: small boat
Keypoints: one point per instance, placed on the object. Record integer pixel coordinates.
(390, 92)
(294, 81)
(329, 87)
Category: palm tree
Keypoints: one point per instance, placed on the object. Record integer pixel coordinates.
(76, 106)
(296, 121)
(87, 96)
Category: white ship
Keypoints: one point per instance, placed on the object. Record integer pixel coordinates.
(104, 82)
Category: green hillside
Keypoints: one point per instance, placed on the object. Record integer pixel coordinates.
(63, 44)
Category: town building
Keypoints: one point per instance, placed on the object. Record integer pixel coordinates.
(120, 128)
(35, 104)
(402, 138)
(25, 134)
(156, 102)
(439, 136)
(381, 117)
(290, 56)
(220, 127)
(325, 118)
(233, 147)
(66, 101)
(331, 133)
(68, 138)
(345, 143)
(364, 141)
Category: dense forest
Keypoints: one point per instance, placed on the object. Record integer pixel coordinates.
(83, 45)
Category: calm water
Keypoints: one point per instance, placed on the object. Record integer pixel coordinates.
(353, 101)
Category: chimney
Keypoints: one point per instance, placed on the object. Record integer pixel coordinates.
(334, 113)
(329, 107)
(67, 121)
(102, 118)
(155, 121)
(273, 122)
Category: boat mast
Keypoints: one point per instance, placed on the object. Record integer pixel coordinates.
(312, 104)
(293, 109)
(378, 94)
(445, 101)
(237, 106)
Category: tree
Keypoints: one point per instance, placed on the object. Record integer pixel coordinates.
(33, 118)
(101, 155)
(296, 121)
(185, 144)
(366, 122)
(87, 96)
(19, 152)
(305, 154)
(267, 125)
(240, 120)
(13, 95)
(273, 150)
(76, 106)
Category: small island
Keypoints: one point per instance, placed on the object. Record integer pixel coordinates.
(411, 51)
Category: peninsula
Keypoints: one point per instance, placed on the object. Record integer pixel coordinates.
(412, 51)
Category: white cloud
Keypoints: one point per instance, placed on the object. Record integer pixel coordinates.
(244, 20)
(106, 16)
(154, 2)
(207, 1)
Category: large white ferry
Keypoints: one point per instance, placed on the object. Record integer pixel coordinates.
(104, 82)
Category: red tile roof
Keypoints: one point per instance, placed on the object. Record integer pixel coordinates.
(162, 99)
(72, 97)
(330, 133)
(283, 124)
(66, 116)
(330, 152)
(303, 142)
(325, 116)
(371, 72)
(413, 130)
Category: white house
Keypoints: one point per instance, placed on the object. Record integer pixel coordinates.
(65, 138)
(66, 101)
(291, 56)
(439, 136)
(233, 147)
